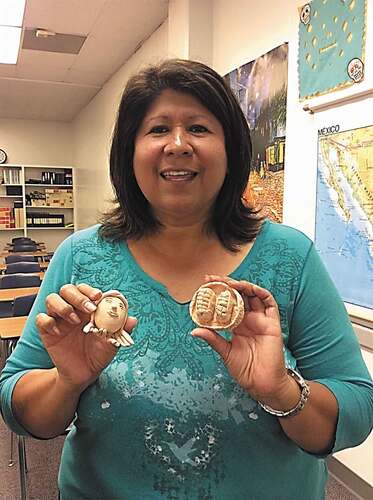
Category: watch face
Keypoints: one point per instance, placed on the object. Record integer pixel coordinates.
(3, 156)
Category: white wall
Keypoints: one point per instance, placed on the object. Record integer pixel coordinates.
(92, 131)
(244, 30)
(36, 142)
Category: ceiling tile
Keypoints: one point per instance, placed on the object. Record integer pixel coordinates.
(42, 73)
(86, 77)
(43, 65)
(117, 22)
(102, 54)
(49, 59)
(45, 101)
(114, 29)
(63, 16)
(7, 70)
(53, 42)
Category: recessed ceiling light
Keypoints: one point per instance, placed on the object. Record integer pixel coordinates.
(10, 37)
(11, 12)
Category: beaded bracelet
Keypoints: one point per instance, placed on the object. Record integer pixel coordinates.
(305, 392)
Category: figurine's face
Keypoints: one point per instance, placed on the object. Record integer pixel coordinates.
(110, 314)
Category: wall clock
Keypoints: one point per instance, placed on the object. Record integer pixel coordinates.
(3, 156)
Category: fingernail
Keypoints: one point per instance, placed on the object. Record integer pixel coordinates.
(89, 306)
(74, 318)
(56, 330)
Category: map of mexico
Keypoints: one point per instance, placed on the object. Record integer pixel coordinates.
(344, 212)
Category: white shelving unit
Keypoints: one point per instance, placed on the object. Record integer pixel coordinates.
(25, 194)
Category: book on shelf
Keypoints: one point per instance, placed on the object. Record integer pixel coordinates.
(44, 219)
(6, 218)
(19, 217)
(11, 176)
(50, 177)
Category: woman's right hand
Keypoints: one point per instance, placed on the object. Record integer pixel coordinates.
(78, 357)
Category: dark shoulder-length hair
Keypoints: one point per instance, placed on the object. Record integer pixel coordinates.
(231, 219)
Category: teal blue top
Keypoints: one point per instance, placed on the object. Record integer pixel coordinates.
(165, 420)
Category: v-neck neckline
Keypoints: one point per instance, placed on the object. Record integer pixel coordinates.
(162, 289)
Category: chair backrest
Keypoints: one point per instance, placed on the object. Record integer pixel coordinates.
(48, 257)
(25, 247)
(19, 280)
(10, 259)
(22, 267)
(22, 305)
(21, 238)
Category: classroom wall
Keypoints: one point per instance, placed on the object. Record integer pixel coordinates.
(92, 131)
(37, 142)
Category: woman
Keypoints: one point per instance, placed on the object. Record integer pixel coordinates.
(244, 415)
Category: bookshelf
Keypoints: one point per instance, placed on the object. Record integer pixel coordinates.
(36, 201)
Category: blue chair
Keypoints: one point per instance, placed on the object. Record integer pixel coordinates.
(6, 308)
(21, 238)
(16, 281)
(25, 247)
(22, 267)
(10, 259)
(19, 280)
(48, 257)
(22, 305)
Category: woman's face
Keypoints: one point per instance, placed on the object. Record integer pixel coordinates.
(110, 314)
(180, 161)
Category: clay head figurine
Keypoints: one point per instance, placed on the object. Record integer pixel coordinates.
(217, 305)
(109, 318)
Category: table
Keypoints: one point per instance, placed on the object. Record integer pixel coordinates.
(7, 294)
(43, 265)
(41, 275)
(5, 253)
(38, 253)
(10, 329)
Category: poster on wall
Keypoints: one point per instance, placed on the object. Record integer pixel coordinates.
(331, 45)
(261, 88)
(344, 210)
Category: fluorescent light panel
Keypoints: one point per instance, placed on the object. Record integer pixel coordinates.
(11, 17)
(10, 37)
(11, 12)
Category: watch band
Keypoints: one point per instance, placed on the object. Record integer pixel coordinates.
(305, 393)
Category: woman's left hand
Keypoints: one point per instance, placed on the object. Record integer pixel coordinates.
(254, 356)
